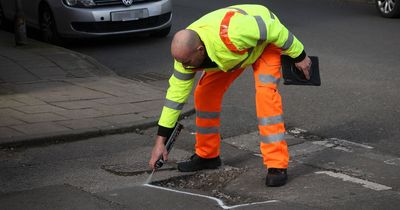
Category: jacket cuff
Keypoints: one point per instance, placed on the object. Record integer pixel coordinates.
(300, 57)
(164, 131)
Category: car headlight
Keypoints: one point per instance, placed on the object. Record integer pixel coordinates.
(80, 3)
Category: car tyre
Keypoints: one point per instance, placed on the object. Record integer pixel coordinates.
(48, 29)
(388, 8)
(162, 32)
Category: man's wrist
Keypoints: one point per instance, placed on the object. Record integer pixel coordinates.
(160, 140)
(164, 131)
(300, 57)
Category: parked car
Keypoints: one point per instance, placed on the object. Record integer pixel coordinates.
(388, 8)
(92, 18)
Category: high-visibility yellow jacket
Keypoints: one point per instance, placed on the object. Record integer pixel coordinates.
(234, 37)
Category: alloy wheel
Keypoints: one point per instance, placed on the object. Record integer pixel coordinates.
(386, 6)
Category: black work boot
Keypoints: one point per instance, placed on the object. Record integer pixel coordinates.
(196, 163)
(276, 177)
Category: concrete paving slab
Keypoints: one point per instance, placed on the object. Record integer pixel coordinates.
(40, 117)
(7, 121)
(54, 197)
(38, 109)
(17, 74)
(83, 123)
(25, 99)
(9, 132)
(7, 102)
(37, 128)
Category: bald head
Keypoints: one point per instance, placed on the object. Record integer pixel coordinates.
(185, 44)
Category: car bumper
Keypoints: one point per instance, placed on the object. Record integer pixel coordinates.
(92, 22)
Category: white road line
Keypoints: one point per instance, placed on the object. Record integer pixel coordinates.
(220, 202)
(347, 178)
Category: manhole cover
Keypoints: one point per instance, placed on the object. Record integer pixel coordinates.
(210, 183)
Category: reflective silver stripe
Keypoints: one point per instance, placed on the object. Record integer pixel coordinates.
(266, 78)
(273, 138)
(272, 15)
(239, 10)
(207, 130)
(262, 28)
(183, 76)
(173, 104)
(270, 120)
(241, 62)
(288, 42)
(207, 115)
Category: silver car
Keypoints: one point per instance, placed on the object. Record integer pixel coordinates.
(91, 18)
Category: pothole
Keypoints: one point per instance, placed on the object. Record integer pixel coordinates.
(210, 183)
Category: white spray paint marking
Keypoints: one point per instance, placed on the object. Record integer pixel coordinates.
(220, 202)
(297, 130)
(347, 178)
(343, 149)
(394, 161)
(350, 142)
(258, 155)
(323, 143)
(340, 144)
(328, 144)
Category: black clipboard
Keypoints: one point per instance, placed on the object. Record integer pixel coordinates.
(294, 76)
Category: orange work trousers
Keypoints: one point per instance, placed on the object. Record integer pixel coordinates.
(208, 98)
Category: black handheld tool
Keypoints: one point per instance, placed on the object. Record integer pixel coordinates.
(169, 143)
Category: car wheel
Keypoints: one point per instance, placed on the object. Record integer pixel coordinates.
(162, 32)
(48, 29)
(388, 8)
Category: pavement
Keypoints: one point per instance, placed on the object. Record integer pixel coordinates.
(49, 93)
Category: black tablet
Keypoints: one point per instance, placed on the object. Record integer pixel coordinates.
(294, 76)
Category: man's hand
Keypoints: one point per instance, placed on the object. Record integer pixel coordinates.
(305, 66)
(158, 151)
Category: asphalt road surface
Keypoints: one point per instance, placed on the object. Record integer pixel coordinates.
(359, 61)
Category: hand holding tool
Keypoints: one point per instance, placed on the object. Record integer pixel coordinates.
(168, 144)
